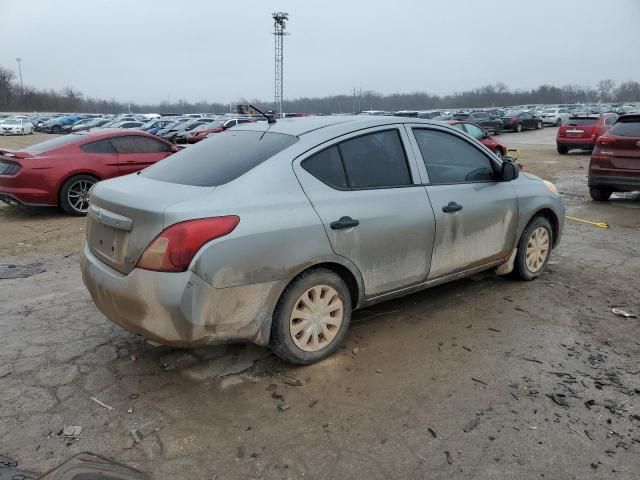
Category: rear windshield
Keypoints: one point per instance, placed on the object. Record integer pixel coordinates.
(219, 159)
(582, 121)
(626, 129)
(54, 143)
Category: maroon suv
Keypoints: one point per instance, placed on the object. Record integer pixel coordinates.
(615, 161)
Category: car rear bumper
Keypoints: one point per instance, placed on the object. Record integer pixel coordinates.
(549, 120)
(625, 183)
(178, 309)
(576, 143)
(16, 195)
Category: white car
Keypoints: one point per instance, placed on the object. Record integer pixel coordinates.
(554, 116)
(16, 126)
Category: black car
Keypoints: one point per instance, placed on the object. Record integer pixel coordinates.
(187, 126)
(483, 119)
(518, 121)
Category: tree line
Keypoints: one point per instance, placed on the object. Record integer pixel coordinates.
(13, 98)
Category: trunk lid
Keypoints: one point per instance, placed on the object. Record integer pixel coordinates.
(582, 127)
(127, 213)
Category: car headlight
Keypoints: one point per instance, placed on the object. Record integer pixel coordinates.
(551, 187)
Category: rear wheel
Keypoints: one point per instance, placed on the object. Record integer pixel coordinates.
(539, 125)
(56, 129)
(74, 194)
(562, 150)
(600, 194)
(534, 249)
(498, 153)
(519, 127)
(558, 122)
(311, 318)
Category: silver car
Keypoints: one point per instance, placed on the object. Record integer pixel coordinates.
(274, 233)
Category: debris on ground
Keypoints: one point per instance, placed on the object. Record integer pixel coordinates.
(471, 424)
(559, 398)
(136, 435)
(71, 431)
(8, 272)
(294, 382)
(432, 432)
(7, 461)
(313, 403)
(449, 458)
(108, 407)
(622, 313)
(283, 407)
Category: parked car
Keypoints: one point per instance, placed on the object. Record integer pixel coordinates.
(273, 233)
(555, 116)
(201, 134)
(518, 121)
(615, 161)
(483, 119)
(90, 123)
(483, 136)
(55, 124)
(60, 171)
(16, 126)
(187, 126)
(154, 126)
(580, 132)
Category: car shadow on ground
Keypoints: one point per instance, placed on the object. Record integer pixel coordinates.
(15, 212)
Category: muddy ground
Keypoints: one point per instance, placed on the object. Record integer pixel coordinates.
(482, 378)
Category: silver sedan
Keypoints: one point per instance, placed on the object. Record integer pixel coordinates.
(275, 232)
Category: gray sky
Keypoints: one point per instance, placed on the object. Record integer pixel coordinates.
(150, 50)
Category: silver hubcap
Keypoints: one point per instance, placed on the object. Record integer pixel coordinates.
(498, 153)
(316, 318)
(78, 195)
(537, 249)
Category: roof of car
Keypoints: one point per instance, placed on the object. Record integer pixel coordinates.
(303, 125)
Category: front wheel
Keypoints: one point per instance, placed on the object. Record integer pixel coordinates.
(519, 127)
(600, 194)
(538, 125)
(562, 150)
(311, 318)
(558, 122)
(74, 194)
(56, 129)
(534, 249)
(498, 153)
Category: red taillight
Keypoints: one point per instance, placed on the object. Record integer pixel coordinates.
(175, 247)
(606, 140)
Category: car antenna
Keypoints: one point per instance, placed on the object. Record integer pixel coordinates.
(269, 119)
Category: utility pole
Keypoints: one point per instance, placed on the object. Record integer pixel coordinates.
(19, 60)
(279, 25)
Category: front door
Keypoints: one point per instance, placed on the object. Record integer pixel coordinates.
(136, 152)
(476, 214)
(373, 212)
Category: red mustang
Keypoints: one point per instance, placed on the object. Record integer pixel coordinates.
(60, 172)
(480, 134)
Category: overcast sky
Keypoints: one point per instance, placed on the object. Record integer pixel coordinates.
(152, 50)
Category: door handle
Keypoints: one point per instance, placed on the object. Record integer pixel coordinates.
(452, 207)
(344, 222)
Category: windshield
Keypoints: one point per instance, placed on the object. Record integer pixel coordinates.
(12, 122)
(221, 159)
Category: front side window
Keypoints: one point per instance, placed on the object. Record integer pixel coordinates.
(139, 144)
(450, 159)
(375, 160)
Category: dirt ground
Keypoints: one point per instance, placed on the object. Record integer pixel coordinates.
(482, 378)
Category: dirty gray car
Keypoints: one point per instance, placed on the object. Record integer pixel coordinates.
(275, 233)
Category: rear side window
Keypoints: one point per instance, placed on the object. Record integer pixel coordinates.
(450, 159)
(581, 121)
(138, 144)
(375, 160)
(224, 157)
(626, 129)
(101, 146)
(327, 167)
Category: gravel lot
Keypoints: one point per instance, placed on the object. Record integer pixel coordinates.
(482, 378)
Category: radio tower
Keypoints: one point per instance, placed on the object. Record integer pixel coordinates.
(279, 25)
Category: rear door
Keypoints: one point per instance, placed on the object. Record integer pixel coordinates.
(528, 121)
(136, 152)
(476, 214)
(367, 193)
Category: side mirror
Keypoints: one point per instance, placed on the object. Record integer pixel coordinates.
(509, 171)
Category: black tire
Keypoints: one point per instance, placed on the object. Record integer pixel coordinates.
(64, 199)
(518, 127)
(539, 125)
(600, 194)
(281, 342)
(562, 150)
(558, 122)
(497, 130)
(56, 129)
(521, 270)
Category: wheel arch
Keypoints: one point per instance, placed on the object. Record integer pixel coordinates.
(553, 219)
(68, 176)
